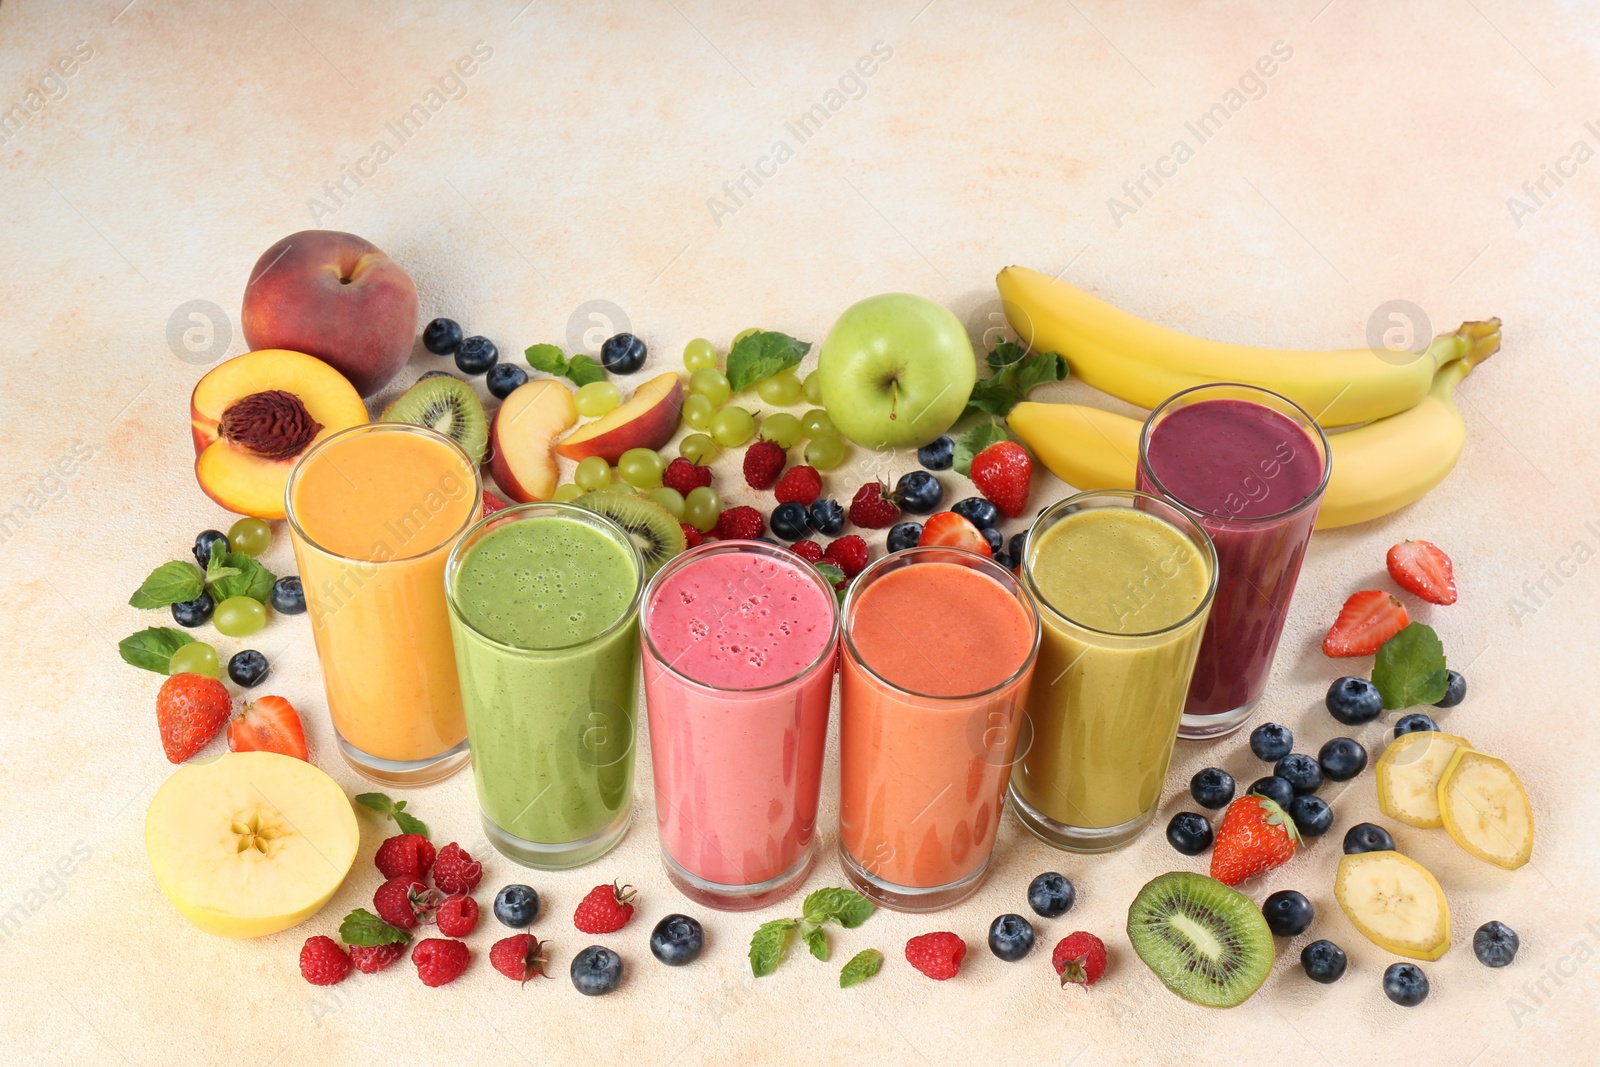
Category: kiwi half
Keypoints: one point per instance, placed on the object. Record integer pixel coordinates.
(448, 405)
(650, 525)
(1208, 943)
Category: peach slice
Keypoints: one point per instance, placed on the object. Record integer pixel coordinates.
(647, 420)
(528, 422)
(254, 415)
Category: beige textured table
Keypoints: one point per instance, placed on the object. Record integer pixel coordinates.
(1426, 152)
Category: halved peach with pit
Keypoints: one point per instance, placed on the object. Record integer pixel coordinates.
(255, 414)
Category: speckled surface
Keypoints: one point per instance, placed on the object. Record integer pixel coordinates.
(578, 163)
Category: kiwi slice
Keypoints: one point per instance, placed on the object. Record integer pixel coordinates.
(1208, 943)
(446, 404)
(650, 525)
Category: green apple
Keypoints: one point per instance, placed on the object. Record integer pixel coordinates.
(896, 371)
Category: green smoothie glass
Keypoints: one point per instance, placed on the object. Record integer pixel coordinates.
(544, 610)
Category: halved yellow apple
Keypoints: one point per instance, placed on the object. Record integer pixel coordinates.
(1486, 810)
(1408, 776)
(1396, 902)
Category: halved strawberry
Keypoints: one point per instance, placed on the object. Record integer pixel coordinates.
(268, 724)
(1367, 620)
(1421, 567)
(949, 530)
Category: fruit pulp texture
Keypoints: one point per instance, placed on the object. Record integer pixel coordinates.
(1113, 668)
(384, 506)
(1233, 464)
(737, 772)
(922, 763)
(549, 686)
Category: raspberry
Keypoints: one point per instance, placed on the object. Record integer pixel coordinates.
(808, 550)
(691, 536)
(1002, 472)
(457, 915)
(762, 463)
(1079, 957)
(850, 553)
(322, 961)
(937, 955)
(370, 959)
(683, 476)
(740, 522)
(455, 871)
(799, 485)
(403, 902)
(405, 856)
(607, 908)
(440, 961)
(871, 508)
(520, 956)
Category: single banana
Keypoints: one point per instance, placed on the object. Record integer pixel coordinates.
(1376, 468)
(1143, 363)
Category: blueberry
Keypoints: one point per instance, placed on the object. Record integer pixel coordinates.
(1288, 913)
(918, 492)
(827, 517)
(995, 538)
(1415, 723)
(1454, 693)
(1311, 815)
(1302, 772)
(1050, 894)
(937, 455)
(677, 940)
(1342, 758)
(596, 971)
(1405, 984)
(1010, 936)
(503, 378)
(1271, 742)
(516, 906)
(1353, 701)
(903, 535)
(1324, 961)
(1274, 789)
(192, 613)
(476, 354)
(623, 354)
(978, 511)
(791, 521)
(1212, 788)
(442, 336)
(1014, 547)
(1001, 559)
(207, 540)
(1189, 832)
(1367, 837)
(288, 598)
(1495, 944)
(436, 374)
(247, 668)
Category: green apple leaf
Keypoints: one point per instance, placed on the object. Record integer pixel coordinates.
(152, 649)
(761, 355)
(170, 583)
(975, 440)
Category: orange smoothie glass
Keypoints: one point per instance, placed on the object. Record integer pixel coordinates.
(938, 654)
(373, 511)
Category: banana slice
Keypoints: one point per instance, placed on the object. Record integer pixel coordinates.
(1408, 776)
(1395, 902)
(1485, 809)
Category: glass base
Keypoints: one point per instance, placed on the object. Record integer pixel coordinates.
(404, 773)
(1076, 838)
(910, 898)
(1219, 724)
(737, 897)
(558, 856)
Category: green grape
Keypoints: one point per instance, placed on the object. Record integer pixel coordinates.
(250, 536)
(817, 424)
(619, 486)
(732, 427)
(239, 616)
(711, 384)
(825, 452)
(699, 354)
(668, 498)
(566, 494)
(742, 334)
(780, 389)
(701, 508)
(197, 657)
(592, 473)
(813, 388)
(781, 428)
(641, 468)
(697, 448)
(697, 410)
(596, 398)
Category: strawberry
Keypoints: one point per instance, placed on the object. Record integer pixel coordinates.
(268, 724)
(937, 955)
(808, 550)
(457, 915)
(440, 961)
(1367, 620)
(491, 504)
(799, 485)
(850, 553)
(607, 908)
(871, 508)
(684, 476)
(1255, 836)
(520, 956)
(322, 961)
(190, 709)
(742, 522)
(403, 902)
(1421, 567)
(405, 856)
(370, 959)
(691, 536)
(1079, 957)
(455, 871)
(763, 461)
(949, 530)
(1002, 472)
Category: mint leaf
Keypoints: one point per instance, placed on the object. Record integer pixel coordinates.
(1410, 668)
(170, 583)
(394, 809)
(1041, 368)
(992, 396)
(817, 942)
(862, 965)
(973, 441)
(409, 824)
(361, 927)
(843, 906)
(236, 574)
(834, 575)
(547, 358)
(768, 946)
(762, 355)
(582, 370)
(1004, 354)
(217, 566)
(152, 649)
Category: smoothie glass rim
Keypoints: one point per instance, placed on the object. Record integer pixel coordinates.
(758, 548)
(1319, 441)
(935, 553)
(1132, 499)
(300, 465)
(522, 513)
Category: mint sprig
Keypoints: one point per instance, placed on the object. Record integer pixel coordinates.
(761, 355)
(772, 939)
(1014, 373)
(361, 927)
(579, 369)
(1410, 668)
(973, 441)
(170, 583)
(394, 809)
(862, 965)
(151, 649)
(232, 574)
